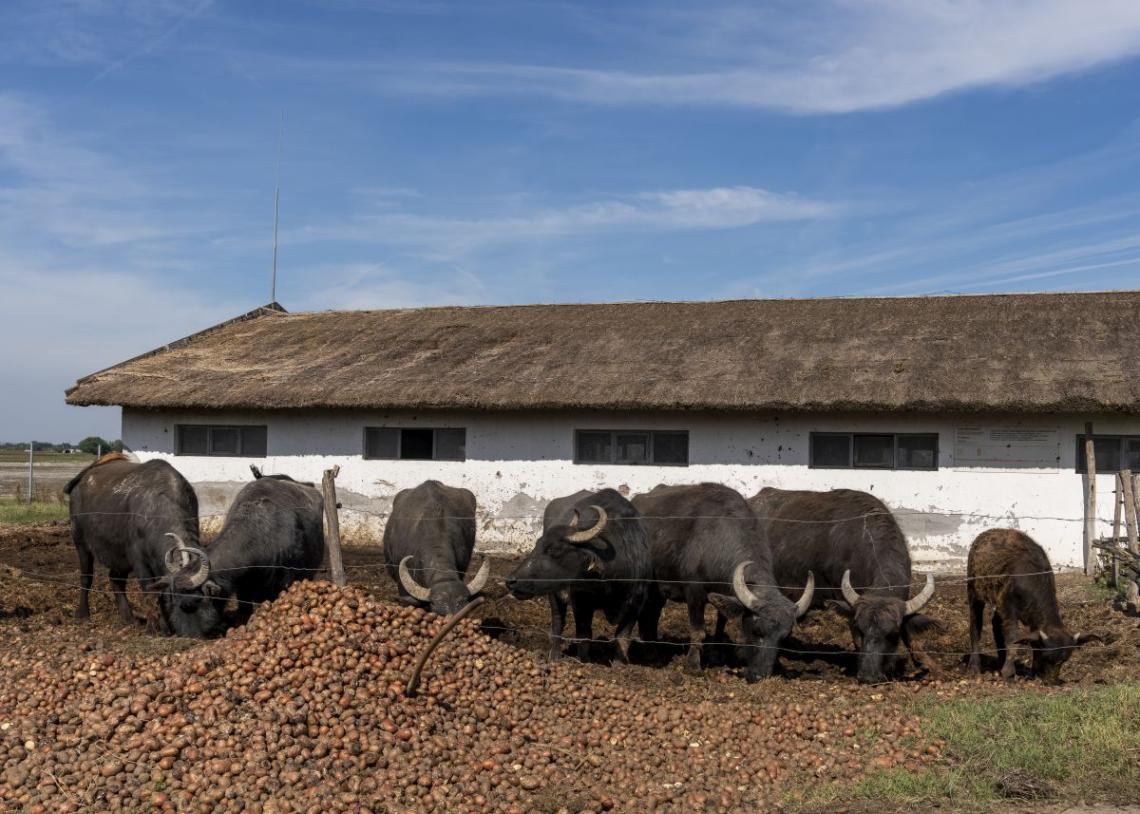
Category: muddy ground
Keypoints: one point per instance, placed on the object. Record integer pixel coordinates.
(38, 580)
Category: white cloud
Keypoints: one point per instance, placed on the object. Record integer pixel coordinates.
(853, 55)
(374, 285)
(660, 211)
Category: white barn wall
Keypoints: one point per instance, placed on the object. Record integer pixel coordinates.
(517, 462)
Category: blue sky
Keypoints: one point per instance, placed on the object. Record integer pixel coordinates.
(507, 152)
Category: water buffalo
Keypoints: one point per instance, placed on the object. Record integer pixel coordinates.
(706, 545)
(273, 536)
(593, 552)
(129, 516)
(854, 546)
(1010, 571)
(428, 542)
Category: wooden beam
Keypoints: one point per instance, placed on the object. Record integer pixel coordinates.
(1132, 485)
(1090, 499)
(332, 535)
(1118, 502)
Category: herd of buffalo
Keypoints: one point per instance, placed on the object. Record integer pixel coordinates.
(765, 561)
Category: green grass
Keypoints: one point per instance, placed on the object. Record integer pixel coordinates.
(12, 511)
(1083, 744)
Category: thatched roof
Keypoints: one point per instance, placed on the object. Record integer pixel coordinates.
(1014, 352)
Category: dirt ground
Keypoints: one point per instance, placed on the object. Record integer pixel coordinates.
(38, 579)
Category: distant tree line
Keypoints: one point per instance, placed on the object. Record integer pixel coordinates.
(91, 444)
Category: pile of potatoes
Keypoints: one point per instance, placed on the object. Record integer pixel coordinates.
(304, 709)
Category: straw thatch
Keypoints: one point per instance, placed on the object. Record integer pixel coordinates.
(1010, 353)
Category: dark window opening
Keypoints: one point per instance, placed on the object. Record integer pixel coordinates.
(847, 450)
(1113, 453)
(415, 444)
(632, 447)
(223, 441)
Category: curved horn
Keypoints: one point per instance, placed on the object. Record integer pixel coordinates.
(917, 603)
(740, 587)
(410, 585)
(481, 577)
(849, 593)
(804, 602)
(174, 558)
(178, 561)
(585, 535)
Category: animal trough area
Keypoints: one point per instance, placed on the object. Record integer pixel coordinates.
(307, 708)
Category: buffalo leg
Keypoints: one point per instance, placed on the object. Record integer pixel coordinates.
(583, 609)
(119, 586)
(919, 655)
(557, 625)
(86, 577)
(650, 617)
(1005, 629)
(696, 603)
(977, 619)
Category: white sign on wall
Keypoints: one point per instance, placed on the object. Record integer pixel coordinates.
(1007, 447)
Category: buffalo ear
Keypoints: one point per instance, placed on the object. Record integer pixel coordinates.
(920, 623)
(840, 607)
(730, 606)
(211, 588)
(1029, 638)
(1085, 638)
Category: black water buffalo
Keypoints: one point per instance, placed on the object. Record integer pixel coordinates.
(593, 552)
(273, 536)
(428, 542)
(854, 546)
(706, 545)
(129, 516)
(1010, 571)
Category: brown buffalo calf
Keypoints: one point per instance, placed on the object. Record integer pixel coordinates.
(1008, 570)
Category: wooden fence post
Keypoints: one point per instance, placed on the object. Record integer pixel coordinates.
(332, 537)
(1090, 500)
(1133, 592)
(1130, 521)
(1118, 502)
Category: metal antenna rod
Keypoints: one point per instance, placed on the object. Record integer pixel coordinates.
(277, 208)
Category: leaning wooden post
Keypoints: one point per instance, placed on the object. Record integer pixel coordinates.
(1090, 500)
(1129, 484)
(1132, 594)
(1118, 502)
(332, 538)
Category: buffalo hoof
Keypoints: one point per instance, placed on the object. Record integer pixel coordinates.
(974, 668)
(82, 613)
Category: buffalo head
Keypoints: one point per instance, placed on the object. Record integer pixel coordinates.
(1052, 649)
(766, 618)
(191, 601)
(564, 554)
(446, 596)
(879, 622)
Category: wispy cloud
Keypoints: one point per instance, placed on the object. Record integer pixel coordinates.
(90, 32)
(855, 56)
(659, 211)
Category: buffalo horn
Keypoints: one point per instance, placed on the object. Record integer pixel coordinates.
(480, 578)
(740, 586)
(585, 535)
(410, 585)
(919, 602)
(804, 602)
(849, 593)
(181, 557)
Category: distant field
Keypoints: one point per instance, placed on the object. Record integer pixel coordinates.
(21, 456)
(51, 470)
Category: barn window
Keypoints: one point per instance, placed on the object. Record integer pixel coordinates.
(1113, 453)
(223, 441)
(851, 450)
(633, 447)
(415, 444)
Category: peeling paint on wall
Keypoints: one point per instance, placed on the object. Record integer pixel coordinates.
(517, 463)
